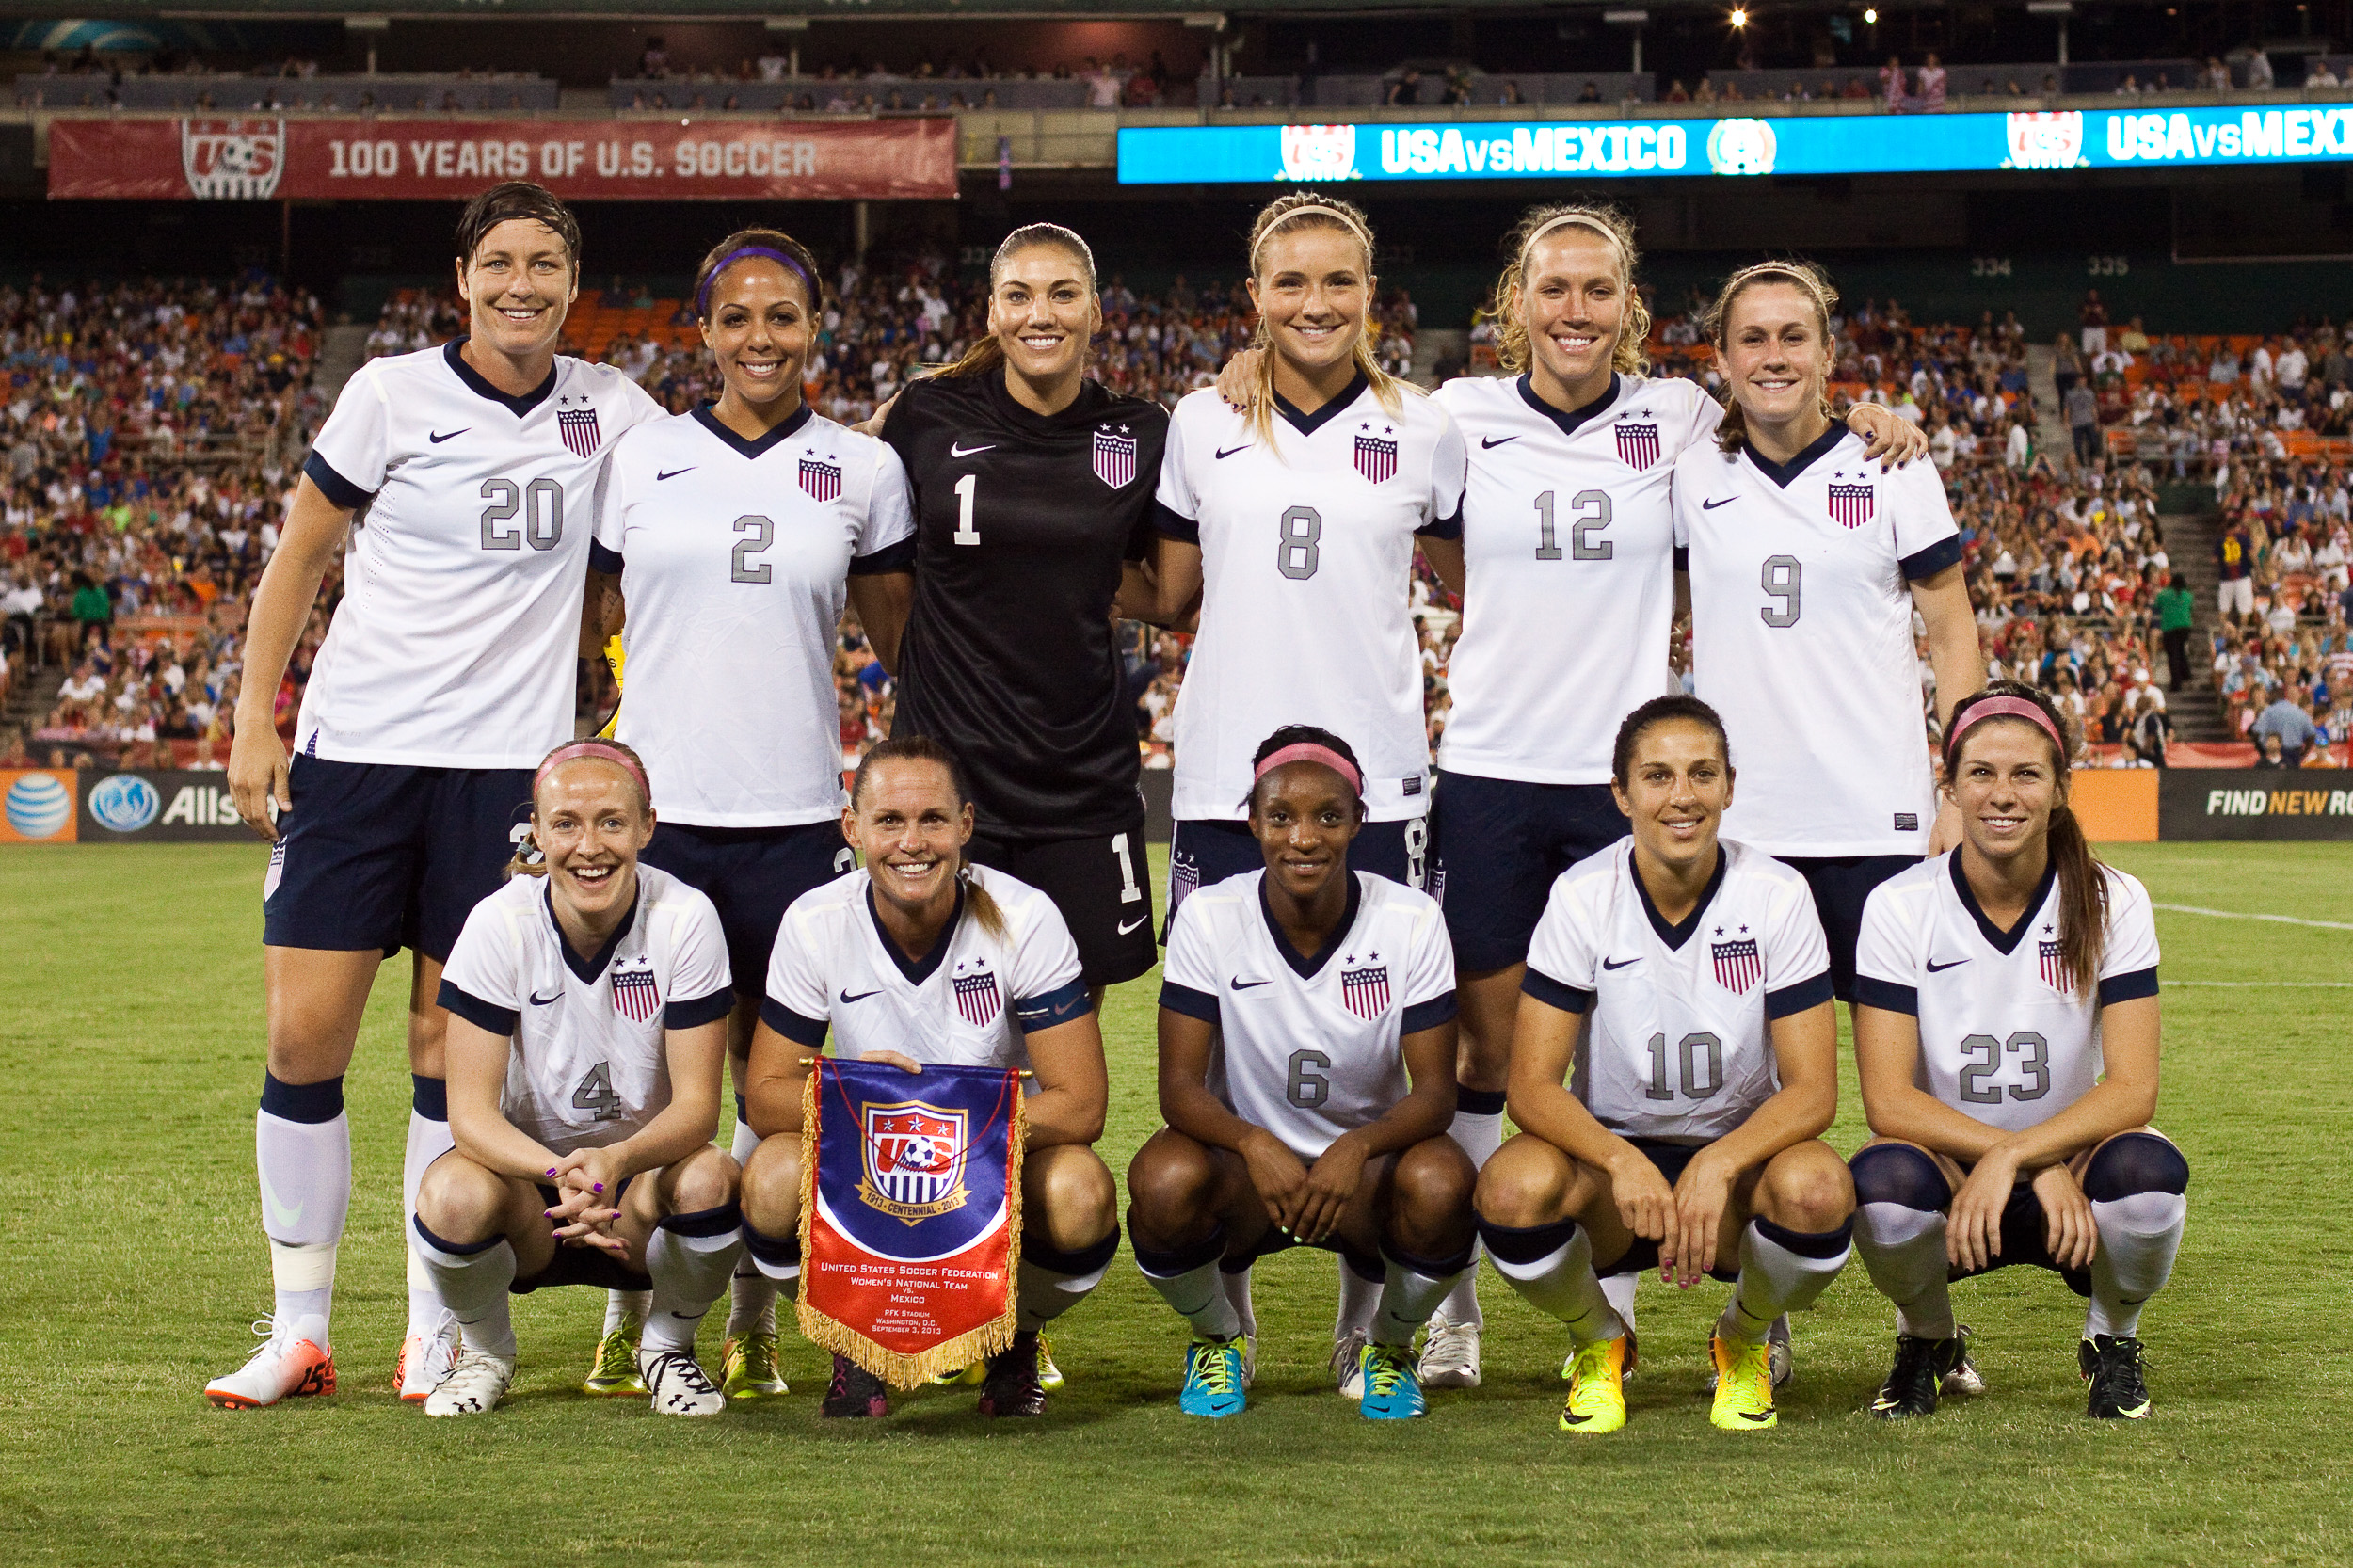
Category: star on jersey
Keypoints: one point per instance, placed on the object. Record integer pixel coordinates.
(1376, 455)
(576, 423)
(1115, 455)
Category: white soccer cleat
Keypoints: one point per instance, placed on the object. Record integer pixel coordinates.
(474, 1387)
(1449, 1356)
(678, 1384)
(426, 1359)
(277, 1369)
(1348, 1357)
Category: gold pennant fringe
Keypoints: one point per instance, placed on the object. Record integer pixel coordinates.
(897, 1367)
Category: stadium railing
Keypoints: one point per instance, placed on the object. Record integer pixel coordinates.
(439, 91)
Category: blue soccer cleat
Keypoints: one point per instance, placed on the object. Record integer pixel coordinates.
(1213, 1379)
(1392, 1384)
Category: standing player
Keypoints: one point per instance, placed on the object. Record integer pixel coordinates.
(588, 1028)
(738, 533)
(923, 957)
(1307, 1077)
(464, 478)
(1682, 979)
(2005, 1029)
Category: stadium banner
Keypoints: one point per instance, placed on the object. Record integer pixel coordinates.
(1784, 144)
(37, 806)
(2301, 803)
(157, 806)
(263, 157)
(910, 1214)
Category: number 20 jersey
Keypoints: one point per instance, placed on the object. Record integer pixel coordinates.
(456, 642)
(1680, 1045)
(2003, 1037)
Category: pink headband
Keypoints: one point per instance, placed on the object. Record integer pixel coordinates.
(2008, 708)
(602, 751)
(1309, 751)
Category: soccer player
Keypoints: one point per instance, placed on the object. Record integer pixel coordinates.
(2006, 1034)
(588, 1025)
(919, 957)
(738, 533)
(1676, 1063)
(1307, 1078)
(463, 477)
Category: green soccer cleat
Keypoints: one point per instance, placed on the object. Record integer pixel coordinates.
(1597, 1401)
(1213, 1379)
(1049, 1375)
(1392, 1384)
(614, 1369)
(2112, 1364)
(1744, 1385)
(748, 1368)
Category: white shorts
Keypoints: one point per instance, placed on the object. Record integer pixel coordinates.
(2236, 593)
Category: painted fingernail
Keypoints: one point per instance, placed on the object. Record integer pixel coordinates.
(599, 1186)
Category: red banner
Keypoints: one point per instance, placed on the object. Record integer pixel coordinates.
(263, 157)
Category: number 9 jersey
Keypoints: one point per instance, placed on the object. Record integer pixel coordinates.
(2002, 1035)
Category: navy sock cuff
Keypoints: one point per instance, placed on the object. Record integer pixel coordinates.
(1807, 1243)
(1901, 1175)
(1526, 1244)
(302, 1103)
(1479, 1102)
(739, 1111)
(1183, 1261)
(1086, 1260)
(705, 1221)
(441, 1243)
(778, 1250)
(1435, 1268)
(2136, 1163)
(430, 1096)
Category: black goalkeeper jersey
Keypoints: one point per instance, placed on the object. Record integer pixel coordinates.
(1021, 524)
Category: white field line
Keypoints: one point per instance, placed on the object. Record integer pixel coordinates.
(2240, 914)
(2265, 985)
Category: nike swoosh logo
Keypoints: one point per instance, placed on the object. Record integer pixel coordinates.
(436, 439)
(860, 997)
(280, 1217)
(1130, 925)
(955, 451)
(542, 1001)
(1487, 441)
(1229, 452)
(1621, 963)
(1935, 968)
(1242, 984)
(673, 473)
(1757, 1416)
(1711, 506)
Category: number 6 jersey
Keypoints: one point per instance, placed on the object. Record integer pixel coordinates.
(2003, 1037)
(1680, 1046)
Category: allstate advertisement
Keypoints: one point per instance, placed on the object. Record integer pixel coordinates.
(160, 808)
(1789, 144)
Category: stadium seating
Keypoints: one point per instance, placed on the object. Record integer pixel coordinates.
(438, 91)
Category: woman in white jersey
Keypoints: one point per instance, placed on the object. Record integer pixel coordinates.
(919, 957)
(1308, 1076)
(1675, 1066)
(1806, 567)
(739, 532)
(463, 477)
(2006, 1034)
(588, 1022)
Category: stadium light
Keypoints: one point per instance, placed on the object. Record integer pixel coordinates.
(1740, 16)
(1870, 17)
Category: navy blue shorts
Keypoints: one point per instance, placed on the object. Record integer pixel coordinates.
(752, 876)
(2026, 1238)
(380, 855)
(1496, 844)
(1669, 1159)
(1840, 882)
(1102, 887)
(1205, 852)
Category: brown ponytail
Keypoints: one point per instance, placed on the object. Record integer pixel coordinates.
(978, 901)
(1732, 434)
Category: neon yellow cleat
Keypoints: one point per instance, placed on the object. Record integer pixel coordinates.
(1744, 1385)
(1596, 1399)
(614, 1369)
(748, 1368)
(1049, 1375)
(963, 1377)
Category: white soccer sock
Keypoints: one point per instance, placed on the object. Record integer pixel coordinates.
(1236, 1289)
(472, 1285)
(777, 1257)
(1045, 1295)
(1409, 1293)
(689, 1271)
(302, 1156)
(1781, 1271)
(751, 1294)
(428, 1140)
(1479, 1132)
(2140, 1235)
(1903, 1250)
(1620, 1290)
(1360, 1303)
(304, 1275)
(620, 1305)
(1198, 1295)
(1561, 1284)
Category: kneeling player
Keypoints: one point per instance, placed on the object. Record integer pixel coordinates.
(2005, 1029)
(1308, 1076)
(889, 958)
(1695, 970)
(587, 1026)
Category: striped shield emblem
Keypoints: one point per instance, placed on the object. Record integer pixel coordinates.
(1738, 964)
(1365, 992)
(821, 478)
(1638, 445)
(977, 998)
(578, 426)
(1114, 456)
(635, 996)
(915, 1155)
(1376, 456)
(1850, 505)
(2053, 968)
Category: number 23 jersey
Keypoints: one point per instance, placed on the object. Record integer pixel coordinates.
(2003, 1037)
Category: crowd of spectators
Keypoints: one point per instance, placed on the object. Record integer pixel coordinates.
(864, 87)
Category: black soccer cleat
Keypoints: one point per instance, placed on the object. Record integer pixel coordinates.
(2113, 1367)
(1012, 1388)
(1923, 1369)
(854, 1391)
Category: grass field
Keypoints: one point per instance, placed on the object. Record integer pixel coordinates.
(131, 1022)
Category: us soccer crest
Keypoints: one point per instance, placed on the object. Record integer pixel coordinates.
(1365, 991)
(578, 425)
(235, 160)
(1850, 505)
(1114, 456)
(635, 994)
(2051, 966)
(2049, 139)
(979, 1001)
(914, 1160)
(1638, 445)
(821, 478)
(1319, 152)
(1376, 452)
(1738, 965)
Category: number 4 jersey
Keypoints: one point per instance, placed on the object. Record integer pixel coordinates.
(2004, 1037)
(1680, 1045)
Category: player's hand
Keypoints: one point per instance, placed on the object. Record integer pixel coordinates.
(1887, 436)
(1701, 1197)
(1944, 833)
(2068, 1228)
(873, 424)
(896, 1058)
(1280, 1177)
(1645, 1202)
(257, 776)
(1331, 1182)
(1973, 1229)
(1240, 377)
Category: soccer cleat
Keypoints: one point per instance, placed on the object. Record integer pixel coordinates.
(1449, 1356)
(962, 1377)
(679, 1385)
(1596, 1399)
(1777, 1344)
(1392, 1387)
(1213, 1385)
(1049, 1375)
(2112, 1364)
(1348, 1363)
(425, 1360)
(277, 1369)
(1013, 1385)
(854, 1392)
(748, 1370)
(1633, 1356)
(1744, 1387)
(615, 1368)
(473, 1386)
(1925, 1370)
(1249, 1343)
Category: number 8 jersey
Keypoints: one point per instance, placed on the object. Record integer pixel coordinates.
(2003, 1037)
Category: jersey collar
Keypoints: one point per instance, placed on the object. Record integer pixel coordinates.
(1307, 425)
(1575, 419)
(1085, 409)
(916, 972)
(1307, 969)
(589, 968)
(519, 406)
(2003, 942)
(1781, 473)
(709, 421)
(1677, 933)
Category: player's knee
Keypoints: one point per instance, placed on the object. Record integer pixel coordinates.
(1169, 1180)
(1077, 1202)
(707, 1179)
(1435, 1178)
(1524, 1183)
(2135, 1163)
(459, 1199)
(771, 1183)
(1901, 1175)
(1808, 1189)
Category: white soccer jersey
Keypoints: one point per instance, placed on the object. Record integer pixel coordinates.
(1680, 1045)
(1568, 542)
(1309, 1049)
(2000, 1040)
(1802, 638)
(1306, 552)
(456, 642)
(588, 1067)
(972, 1002)
(734, 557)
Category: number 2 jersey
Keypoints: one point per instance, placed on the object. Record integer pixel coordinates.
(588, 1067)
(456, 642)
(1679, 1047)
(1310, 1049)
(2003, 1036)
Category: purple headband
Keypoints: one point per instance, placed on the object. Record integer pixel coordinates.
(702, 296)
